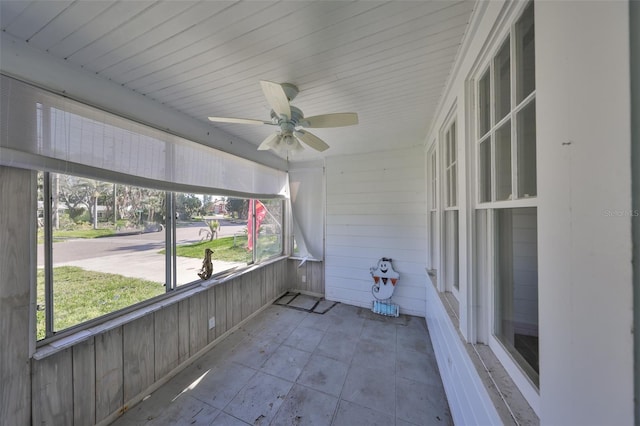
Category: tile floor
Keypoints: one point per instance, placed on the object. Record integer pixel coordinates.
(348, 367)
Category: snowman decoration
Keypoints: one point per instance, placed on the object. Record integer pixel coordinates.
(384, 279)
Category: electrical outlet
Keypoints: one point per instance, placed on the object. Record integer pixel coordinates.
(212, 322)
(304, 278)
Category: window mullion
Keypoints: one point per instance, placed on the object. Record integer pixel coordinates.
(170, 243)
(254, 232)
(48, 258)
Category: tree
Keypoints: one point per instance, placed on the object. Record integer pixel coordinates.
(188, 205)
(76, 191)
(238, 207)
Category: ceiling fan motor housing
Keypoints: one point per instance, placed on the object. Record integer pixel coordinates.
(295, 120)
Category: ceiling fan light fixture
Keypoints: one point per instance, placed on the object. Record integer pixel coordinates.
(291, 121)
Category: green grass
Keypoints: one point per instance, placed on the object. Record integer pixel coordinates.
(223, 249)
(62, 234)
(83, 233)
(81, 295)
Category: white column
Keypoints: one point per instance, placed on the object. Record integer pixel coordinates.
(584, 214)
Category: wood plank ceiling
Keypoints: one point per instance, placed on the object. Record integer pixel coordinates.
(387, 61)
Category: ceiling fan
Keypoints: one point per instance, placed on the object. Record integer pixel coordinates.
(291, 120)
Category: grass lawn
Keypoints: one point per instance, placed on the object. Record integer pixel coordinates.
(81, 295)
(223, 249)
(62, 234)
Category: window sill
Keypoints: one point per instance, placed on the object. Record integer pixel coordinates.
(74, 338)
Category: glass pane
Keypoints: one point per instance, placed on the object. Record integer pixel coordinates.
(526, 55)
(503, 81)
(108, 248)
(484, 111)
(454, 143)
(202, 223)
(40, 298)
(527, 151)
(434, 181)
(516, 309)
(269, 229)
(447, 148)
(503, 162)
(432, 239)
(451, 249)
(454, 186)
(485, 171)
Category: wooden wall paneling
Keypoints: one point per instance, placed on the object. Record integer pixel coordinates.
(229, 304)
(221, 309)
(299, 272)
(292, 274)
(109, 373)
(84, 383)
(263, 274)
(53, 390)
(261, 285)
(256, 289)
(211, 312)
(197, 322)
(282, 277)
(166, 340)
(139, 356)
(17, 199)
(269, 284)
(260, 289)
(245, 284)
(316, 277)
(236, 311)
(183, 331)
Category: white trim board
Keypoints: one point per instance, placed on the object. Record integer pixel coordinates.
(469, 400)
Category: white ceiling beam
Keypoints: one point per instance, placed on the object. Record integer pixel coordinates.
(21, 61)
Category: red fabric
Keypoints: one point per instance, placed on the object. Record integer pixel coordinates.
(261, 212)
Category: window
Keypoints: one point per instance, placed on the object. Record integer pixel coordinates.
(268, 225)
(451, 166)
(106, 246)
(516, 277)
(451, 243)
(506, 118)
(506, 193)
(433, 207)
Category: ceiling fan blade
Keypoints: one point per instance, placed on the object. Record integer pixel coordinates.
(312, 140)
(331, 120)
(277, 98)
(238, 120)
(270, 142)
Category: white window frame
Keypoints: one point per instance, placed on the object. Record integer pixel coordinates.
(170, 260)
(529, 390)
(449, 167)
(433, 209)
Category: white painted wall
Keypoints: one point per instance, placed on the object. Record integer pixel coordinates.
(584, 203)
(584, 186)
(376, 208)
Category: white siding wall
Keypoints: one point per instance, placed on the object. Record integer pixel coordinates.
(584, 213)
(376, 208)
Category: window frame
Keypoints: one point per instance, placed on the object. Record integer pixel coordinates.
(450, 149)
(516, 200)
(484, 234)
(171, 286)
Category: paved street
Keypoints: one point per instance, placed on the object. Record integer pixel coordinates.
(138, 255)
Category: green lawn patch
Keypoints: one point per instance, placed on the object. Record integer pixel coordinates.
(223, 249)
(65, 234)
(81, 295)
